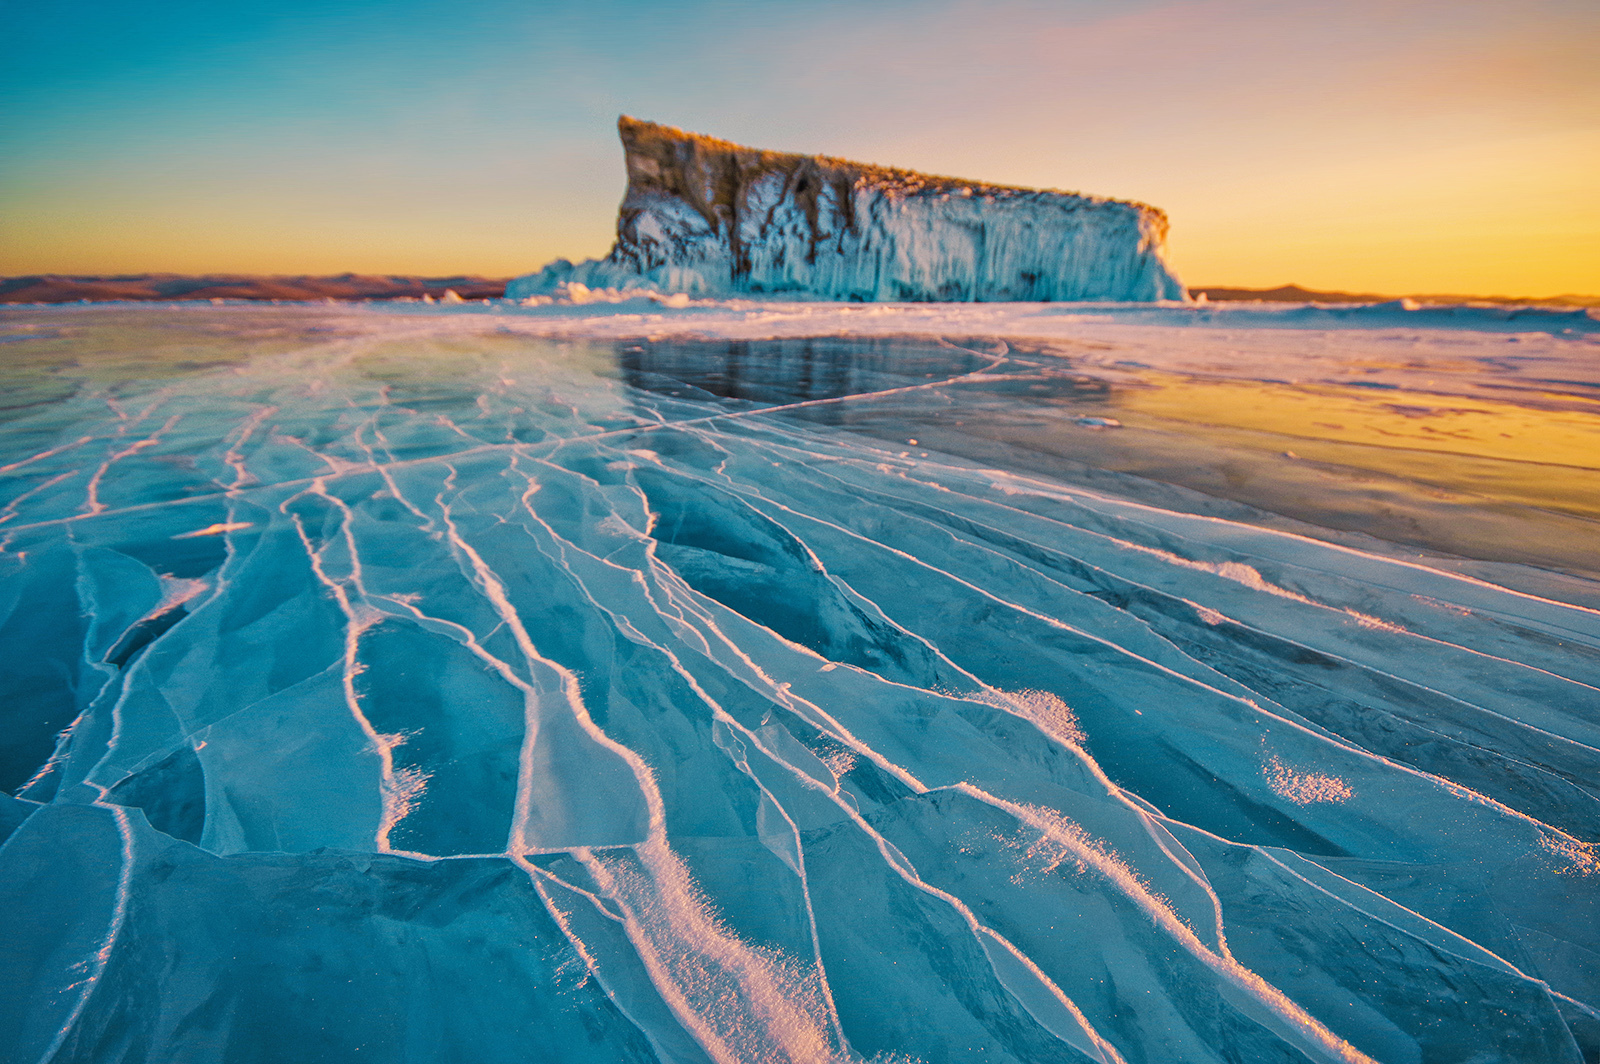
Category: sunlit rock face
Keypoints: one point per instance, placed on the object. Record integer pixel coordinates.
(709, 217)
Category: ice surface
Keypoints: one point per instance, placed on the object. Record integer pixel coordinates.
(413, 686)
(707, 217)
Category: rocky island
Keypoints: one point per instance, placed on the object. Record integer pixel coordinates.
(708, 217)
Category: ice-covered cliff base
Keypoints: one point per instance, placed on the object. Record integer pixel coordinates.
(708, 217)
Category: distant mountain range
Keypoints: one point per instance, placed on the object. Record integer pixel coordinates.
(1293, 293)
(63, 288)
(355, 287)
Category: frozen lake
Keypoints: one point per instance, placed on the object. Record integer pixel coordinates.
(795, 682)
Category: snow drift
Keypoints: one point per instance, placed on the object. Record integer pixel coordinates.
(709, 217)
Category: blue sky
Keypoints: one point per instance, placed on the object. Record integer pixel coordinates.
(1414, 146)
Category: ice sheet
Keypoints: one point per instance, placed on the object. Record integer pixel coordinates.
(504, 683)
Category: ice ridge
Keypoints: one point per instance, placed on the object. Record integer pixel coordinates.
(709, 217)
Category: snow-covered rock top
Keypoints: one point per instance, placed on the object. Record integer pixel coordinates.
(709, 217)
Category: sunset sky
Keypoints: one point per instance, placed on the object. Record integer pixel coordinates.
(1406, 146)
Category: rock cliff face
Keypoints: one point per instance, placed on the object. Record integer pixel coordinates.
(712, 218)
